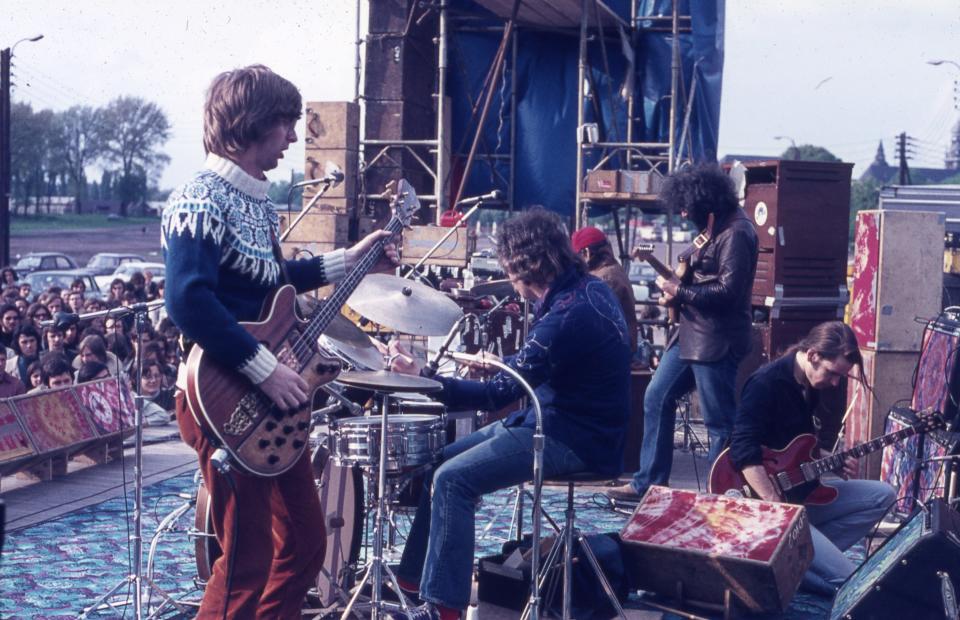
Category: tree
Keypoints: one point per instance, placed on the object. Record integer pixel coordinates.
(29, 153)
(863, 195)
(76, 137)
(809, 152)
(133, 131)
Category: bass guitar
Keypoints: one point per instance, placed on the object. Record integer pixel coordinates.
(261, 438)
(795, 471)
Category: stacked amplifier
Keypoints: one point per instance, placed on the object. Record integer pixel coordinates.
(898, 260)
(800, 210)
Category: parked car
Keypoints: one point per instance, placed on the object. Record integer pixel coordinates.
(42, 280)
(104, 263)
(43, 261)
(126, 270)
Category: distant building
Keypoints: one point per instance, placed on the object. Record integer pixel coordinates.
(883, 173)
(61, 205)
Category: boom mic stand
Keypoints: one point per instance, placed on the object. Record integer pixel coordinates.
(136, 578)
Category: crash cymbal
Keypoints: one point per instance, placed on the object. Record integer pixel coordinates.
(404, 305)
(496, 288)
(385, 381)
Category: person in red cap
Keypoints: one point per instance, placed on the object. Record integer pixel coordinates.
(592, 244)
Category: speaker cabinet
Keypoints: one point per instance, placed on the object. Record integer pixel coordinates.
(800, 210)
(905, 577)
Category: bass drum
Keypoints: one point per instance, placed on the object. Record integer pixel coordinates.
(341, 496)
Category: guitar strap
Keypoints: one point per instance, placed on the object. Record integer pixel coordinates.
(699, 242)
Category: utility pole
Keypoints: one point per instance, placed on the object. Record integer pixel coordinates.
(5, 156)
(902, 152)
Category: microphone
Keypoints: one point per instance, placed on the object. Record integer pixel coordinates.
(430, 370)
(62, 320)
(494, 195)
(332, 175)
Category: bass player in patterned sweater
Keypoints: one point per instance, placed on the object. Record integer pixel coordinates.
(219, 240)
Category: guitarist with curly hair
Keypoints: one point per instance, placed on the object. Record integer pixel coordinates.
(777, 405)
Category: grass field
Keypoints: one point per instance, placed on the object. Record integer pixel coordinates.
(29, 223)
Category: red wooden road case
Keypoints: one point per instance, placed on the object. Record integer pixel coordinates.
(702, 546)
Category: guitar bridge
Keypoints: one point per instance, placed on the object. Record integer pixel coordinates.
(243, 416)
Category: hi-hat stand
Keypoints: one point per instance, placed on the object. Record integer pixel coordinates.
(136, 578)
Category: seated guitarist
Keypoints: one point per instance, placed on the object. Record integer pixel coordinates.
(778, 404)
(222, 261)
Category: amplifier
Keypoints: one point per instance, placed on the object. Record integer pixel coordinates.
(910, 574)
(712, 548)
(936, 375)
(907, 465)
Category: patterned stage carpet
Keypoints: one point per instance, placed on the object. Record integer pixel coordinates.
(55, 569)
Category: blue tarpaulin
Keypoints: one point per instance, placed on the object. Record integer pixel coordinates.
(546, 82)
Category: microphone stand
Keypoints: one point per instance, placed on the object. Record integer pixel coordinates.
(136, 579)
(327, 184)
(538, 443)
(443, 239)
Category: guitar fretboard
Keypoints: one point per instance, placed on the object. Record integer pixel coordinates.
(835, 462)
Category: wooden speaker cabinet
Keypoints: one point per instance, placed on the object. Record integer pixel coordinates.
(800, 210)
(897, 276)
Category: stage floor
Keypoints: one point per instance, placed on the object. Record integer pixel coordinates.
(67, 539)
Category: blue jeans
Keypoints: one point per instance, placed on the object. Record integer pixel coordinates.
(439, 550)
(837, 526)
(715, 382)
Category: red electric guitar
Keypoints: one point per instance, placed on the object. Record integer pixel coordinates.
(262, 439)
(795, 471)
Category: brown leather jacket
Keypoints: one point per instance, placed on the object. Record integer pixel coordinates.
(715, 306)
(618, 281)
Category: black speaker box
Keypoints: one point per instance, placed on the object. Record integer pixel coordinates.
(905, 577)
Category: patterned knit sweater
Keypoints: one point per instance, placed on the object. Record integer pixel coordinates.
(217, 233)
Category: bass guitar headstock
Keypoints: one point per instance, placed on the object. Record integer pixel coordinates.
(403, 201)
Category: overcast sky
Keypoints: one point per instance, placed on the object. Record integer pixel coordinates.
(842, 74)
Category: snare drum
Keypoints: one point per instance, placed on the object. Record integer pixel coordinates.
(412, 440)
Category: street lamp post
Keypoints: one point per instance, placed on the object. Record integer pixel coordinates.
(955, 65)
(5, 173)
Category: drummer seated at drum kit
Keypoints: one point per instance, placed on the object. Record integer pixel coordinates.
(576, 355)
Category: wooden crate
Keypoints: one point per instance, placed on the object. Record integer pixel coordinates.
(897, 276)
(315, 161)
(321, 228)
(711, 548)
(332, 125)
(454, 252)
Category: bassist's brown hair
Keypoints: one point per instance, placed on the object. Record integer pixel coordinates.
(243, 105)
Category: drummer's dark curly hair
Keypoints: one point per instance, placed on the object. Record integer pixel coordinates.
(700, 190)
(535, 247)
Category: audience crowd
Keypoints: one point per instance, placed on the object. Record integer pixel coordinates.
(36, 355)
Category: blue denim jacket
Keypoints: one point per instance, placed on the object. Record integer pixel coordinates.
(577, 357)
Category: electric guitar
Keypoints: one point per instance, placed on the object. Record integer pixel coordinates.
(682, 273)
(795, 471)
(261, 438)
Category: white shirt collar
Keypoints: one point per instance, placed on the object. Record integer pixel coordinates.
(236, 176)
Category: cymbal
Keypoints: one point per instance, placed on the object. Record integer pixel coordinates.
(344, 338)
(496, 288)
(386, 381)
(404, 305)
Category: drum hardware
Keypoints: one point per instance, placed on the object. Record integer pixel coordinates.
(170, 524)
(533, 606)
(404, 305)
(384, 384)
